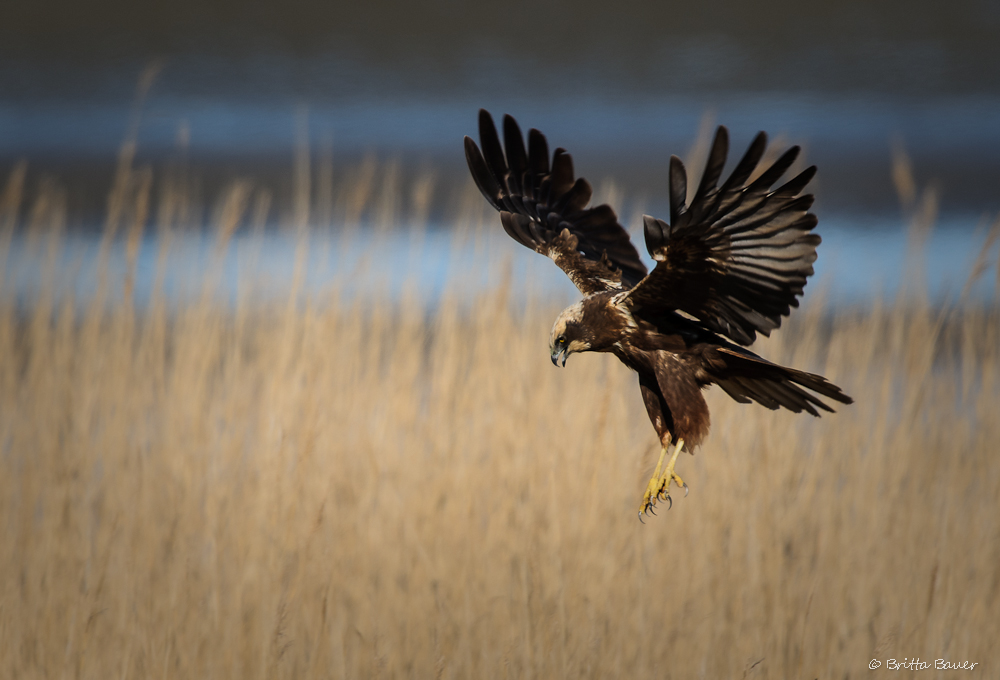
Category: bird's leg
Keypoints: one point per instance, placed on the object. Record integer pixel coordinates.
(669, 474)
(659, 485)
(653, 488)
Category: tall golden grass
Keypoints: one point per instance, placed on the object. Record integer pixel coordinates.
(364, 487)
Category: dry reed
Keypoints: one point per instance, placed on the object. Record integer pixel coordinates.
(354, 488)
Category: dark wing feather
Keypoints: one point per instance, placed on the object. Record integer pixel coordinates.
(544, 207)
(738, 257)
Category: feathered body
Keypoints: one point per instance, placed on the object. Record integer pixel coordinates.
(730, 265)
(676, 358)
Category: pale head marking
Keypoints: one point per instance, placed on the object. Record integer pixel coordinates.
(557, 340)
(572, 313)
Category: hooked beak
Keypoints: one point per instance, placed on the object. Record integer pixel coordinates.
(555, 356)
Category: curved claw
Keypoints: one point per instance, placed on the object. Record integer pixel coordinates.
(651, 511)
(671, 502)
(640, 517)
(686, 489)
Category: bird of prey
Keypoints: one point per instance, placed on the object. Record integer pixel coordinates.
(729, 264)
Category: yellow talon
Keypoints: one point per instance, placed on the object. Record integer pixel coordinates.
(659, 485)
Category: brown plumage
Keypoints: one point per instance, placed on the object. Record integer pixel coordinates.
(729, 265)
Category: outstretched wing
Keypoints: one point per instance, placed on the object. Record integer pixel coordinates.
(738, 256)
(544, 208)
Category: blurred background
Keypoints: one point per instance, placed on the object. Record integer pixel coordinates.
(621, 85)
(275, 392)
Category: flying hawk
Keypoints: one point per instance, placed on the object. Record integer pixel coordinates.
(729, 265)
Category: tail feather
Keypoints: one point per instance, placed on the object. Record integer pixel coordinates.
(747, 377)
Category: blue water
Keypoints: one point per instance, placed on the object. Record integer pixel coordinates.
(859, 263)
(865, 254)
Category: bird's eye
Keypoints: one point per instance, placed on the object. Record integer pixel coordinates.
(561, 340)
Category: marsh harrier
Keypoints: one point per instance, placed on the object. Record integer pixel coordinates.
(729, 264)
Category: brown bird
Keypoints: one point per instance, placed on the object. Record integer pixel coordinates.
(729, 265)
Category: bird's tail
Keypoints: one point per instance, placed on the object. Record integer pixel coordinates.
(748, 377)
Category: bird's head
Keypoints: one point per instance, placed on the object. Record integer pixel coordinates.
(569, 334)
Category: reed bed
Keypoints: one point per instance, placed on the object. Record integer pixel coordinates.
(368, 487)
